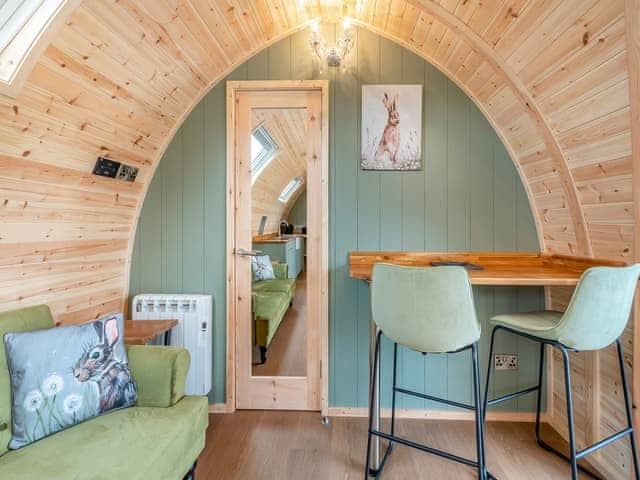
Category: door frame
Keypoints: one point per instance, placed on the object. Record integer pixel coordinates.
(321, 218)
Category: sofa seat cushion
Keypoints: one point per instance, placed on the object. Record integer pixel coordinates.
(285, 285)
(135, 443)
(269, 305)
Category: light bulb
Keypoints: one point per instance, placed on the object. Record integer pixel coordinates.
(315, 27)
(346, 23)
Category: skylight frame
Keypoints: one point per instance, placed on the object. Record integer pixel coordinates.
(290, 188)
(26, 38)
(266, 155)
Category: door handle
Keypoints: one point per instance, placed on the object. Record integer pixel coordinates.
(248, 253)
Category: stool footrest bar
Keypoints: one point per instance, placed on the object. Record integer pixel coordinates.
(424, 448)
(549, 448)
(511, 396)
(434, 399)
(604, 442)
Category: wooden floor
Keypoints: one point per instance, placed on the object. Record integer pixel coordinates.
(287, 355)
(295, 445)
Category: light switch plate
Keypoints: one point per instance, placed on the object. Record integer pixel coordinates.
(106, 167)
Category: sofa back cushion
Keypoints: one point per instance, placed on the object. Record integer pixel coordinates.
(65, 375)
(262, 268)
(23, 320)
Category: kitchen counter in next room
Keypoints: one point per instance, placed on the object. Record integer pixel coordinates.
(290, 250)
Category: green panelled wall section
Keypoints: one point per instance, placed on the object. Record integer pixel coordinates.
(468, 197)
(298, 213)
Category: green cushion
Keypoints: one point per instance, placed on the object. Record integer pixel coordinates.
(278, 285)
(281, 270)
(134, 443)
(23, 320)
(539, 324)
(269, 305)
(160, 373)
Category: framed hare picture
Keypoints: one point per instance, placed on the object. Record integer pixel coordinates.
(391, 127)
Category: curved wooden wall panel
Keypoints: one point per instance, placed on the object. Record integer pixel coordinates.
(118, 78)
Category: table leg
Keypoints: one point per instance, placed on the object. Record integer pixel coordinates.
(167, 337)
(373, 362)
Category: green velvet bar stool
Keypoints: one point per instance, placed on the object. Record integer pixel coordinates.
(429, 310)
(595, 318)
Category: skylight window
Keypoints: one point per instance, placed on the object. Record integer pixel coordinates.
(290, 189)
(14, 14)
(23, 31)
(263, 148)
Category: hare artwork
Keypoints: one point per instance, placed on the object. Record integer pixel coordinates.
(390, 140)
(391, 127)
(99, 365)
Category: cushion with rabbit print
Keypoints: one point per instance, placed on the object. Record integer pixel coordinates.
(62, 376)
(262, 268)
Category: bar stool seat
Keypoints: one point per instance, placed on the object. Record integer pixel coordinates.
(540, 324)
(595, 318)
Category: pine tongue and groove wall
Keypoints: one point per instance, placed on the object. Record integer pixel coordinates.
(119, 77)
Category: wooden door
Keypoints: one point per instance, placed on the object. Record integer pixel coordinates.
(279, 392)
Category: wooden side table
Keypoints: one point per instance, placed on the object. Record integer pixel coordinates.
(141, 332)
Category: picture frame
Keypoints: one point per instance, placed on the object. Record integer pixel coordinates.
(391, 128)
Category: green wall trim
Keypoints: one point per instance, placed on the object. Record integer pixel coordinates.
(467, 197)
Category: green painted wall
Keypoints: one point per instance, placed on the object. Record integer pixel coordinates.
(468, 197)
(298, 213)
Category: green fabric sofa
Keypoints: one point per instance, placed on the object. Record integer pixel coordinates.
(160, 438)
(270, 301)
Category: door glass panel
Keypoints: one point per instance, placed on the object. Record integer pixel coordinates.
(278, 227)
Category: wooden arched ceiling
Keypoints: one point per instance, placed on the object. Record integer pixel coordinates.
(288, 128)
(118, 78)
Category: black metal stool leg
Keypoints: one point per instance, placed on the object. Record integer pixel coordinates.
(376, 366)
(482, 471)
(570, 420)
(539, 439)
(488, 382)
(395, 384)
(539, 401)
(627, 405)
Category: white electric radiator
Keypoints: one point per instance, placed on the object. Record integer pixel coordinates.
(193, 332)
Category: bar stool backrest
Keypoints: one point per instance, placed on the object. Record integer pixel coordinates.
(425, 309)
(600, 307)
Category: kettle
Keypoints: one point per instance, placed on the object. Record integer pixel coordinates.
(286, 228)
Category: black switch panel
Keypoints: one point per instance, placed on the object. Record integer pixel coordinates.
(106, 168)
(110, 168)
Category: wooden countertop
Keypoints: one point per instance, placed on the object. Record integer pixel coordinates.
(141, 332)
(500, 268)
(289, 238)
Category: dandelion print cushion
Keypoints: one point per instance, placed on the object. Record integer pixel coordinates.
(262, 268)
(65, 375)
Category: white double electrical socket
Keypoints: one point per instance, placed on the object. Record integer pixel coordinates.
(505, 361)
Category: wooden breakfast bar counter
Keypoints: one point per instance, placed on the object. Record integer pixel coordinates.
(488, 268)
(497, 269)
